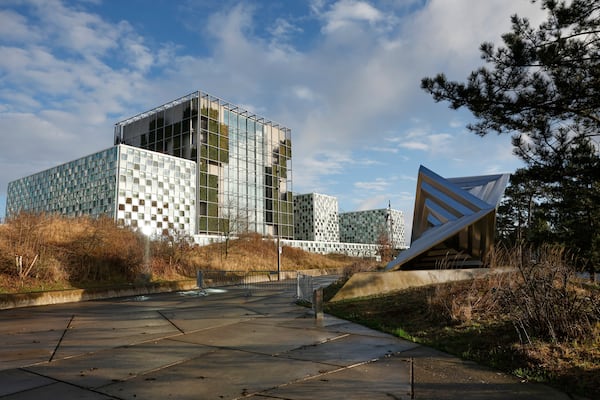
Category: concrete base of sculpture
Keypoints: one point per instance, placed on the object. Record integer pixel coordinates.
(367, 284)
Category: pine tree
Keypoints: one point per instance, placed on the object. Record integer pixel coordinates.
(542, 86)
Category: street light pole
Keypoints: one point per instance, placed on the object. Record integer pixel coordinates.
(278, 259)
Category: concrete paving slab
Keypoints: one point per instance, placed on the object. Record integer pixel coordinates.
(224, 374)
(15, 381)
(302, 321)
(57, 390)
(260, 338)
(441, 376)
(21, 349)
(24, 321)
(228, 345)
(88, 335)
(342, 326)
(120, 364)
(28, 336)
(329, 323)
(384, 379)
(350, 349)
(212, 310)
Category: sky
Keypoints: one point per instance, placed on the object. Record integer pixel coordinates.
(343, 75)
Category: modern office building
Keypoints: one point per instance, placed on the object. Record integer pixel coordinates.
(202, 167)
(241, 180)
(371, 226)
(243, 162)
(139, 188)
(316, 218)
(320, 228)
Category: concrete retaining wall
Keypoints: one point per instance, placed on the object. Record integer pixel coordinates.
(73, 295)
(366, 284)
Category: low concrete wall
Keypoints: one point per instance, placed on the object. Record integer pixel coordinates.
(68, 296)
(366, 284)
(73, 295)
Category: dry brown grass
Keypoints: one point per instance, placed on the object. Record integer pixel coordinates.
(251, 252)
(56, 252)
(542, 295)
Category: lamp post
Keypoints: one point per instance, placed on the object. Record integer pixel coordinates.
(147, 232)
(278, 259)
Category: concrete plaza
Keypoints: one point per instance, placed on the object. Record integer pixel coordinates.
(225, 344)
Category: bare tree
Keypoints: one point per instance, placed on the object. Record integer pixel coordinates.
(233, 222)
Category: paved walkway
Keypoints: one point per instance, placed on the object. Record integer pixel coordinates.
(225, 345)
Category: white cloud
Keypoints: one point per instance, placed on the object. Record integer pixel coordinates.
(373, 202)
(14, 27)
(304, 93)
(282, 30)
(415, 146)
(139, 56)
(377, 185)
(384, 149)
(341, 93)
(345, 12)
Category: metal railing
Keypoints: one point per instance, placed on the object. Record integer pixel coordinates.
(299, 285)
(248, 280)
(304, 287)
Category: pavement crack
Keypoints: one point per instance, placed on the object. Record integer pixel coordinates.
(169, 321)
(61, 338)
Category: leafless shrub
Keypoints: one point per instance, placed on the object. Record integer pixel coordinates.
(103, 252)
(173, 256)
(359, 265)
(545, 298)
(539, 292)
(22, 245)
(468, 300)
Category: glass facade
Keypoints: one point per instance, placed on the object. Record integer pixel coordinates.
(138, 188)
(86, 186)
(367, 226)
(243, 162)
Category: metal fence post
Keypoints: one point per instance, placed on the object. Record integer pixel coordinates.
(199, 279)
(318, 303)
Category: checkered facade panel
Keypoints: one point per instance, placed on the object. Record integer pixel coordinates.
(316, 218)
(350, 249)
(368, 226)
(86, 186)
(142, 189)
(156, 192)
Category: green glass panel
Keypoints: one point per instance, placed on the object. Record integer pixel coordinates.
(213, 181)
(203, 193)
(202, 224)
(224, 225)
(213, 224)
(212, 209)
(213, 195)
(203, 179)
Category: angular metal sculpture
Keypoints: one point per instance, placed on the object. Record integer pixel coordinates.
(454, 221)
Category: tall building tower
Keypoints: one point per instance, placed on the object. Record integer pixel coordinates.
(243, 161)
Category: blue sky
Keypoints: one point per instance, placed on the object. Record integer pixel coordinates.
(343, 75)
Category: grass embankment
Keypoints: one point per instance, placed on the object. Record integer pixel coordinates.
(39, 252)
(482, 321)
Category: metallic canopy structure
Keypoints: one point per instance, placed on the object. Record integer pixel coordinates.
(454, 221)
